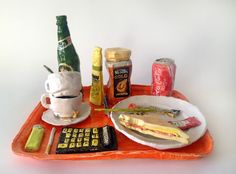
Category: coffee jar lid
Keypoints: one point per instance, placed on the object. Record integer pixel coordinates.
(117, 54)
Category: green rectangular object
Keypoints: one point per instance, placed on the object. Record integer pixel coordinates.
(35, 138)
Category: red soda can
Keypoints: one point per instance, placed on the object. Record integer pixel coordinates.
(163, 77)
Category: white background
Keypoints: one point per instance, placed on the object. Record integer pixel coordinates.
(200, 35)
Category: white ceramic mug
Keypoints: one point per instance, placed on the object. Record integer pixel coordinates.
(62, 107)
(66, 83)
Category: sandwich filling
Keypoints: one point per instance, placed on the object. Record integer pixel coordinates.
(159, 128)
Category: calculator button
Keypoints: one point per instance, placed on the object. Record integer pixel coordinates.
(66, 140)
(95, 130)
(81, 135)
(76, 130)
(87, 130)
(95, 142)
(79, 144)
(62, 145)
(72, 140)
(95, 136)
(81, 130)
(64, 130)
(86, 144)
(72, 145)
(87, 134)
(86, 138)
(68, 135)
(79, 140)
(69, 130)
(74, 135)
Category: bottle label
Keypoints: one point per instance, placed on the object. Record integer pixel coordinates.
(95, 85)
(97, 68)
(62, 44)
(121, 82)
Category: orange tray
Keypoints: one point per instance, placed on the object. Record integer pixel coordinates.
(126, 147)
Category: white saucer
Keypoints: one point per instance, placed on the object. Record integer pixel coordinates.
(49, 117)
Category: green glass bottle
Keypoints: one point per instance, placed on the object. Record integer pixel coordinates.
(68, 60)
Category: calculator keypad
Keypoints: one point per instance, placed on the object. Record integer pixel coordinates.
(78, 140)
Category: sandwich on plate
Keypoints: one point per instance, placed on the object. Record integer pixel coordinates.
(152, 124)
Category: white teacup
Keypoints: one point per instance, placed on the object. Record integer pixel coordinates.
(66, 83)
(63, 107)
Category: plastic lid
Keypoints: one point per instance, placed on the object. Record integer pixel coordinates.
(117, 54)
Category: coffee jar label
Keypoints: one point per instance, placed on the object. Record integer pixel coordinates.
(121, 82)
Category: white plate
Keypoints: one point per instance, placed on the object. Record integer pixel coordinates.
(187, 110)
(49, 117)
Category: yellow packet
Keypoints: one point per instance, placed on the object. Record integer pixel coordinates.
(97, 90)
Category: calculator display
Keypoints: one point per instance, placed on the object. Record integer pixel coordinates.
(79, 140)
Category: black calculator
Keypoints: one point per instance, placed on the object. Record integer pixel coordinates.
(81, 140)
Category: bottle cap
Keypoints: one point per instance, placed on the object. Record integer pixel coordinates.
(117, 54)
(61, 19)
(97, 50)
